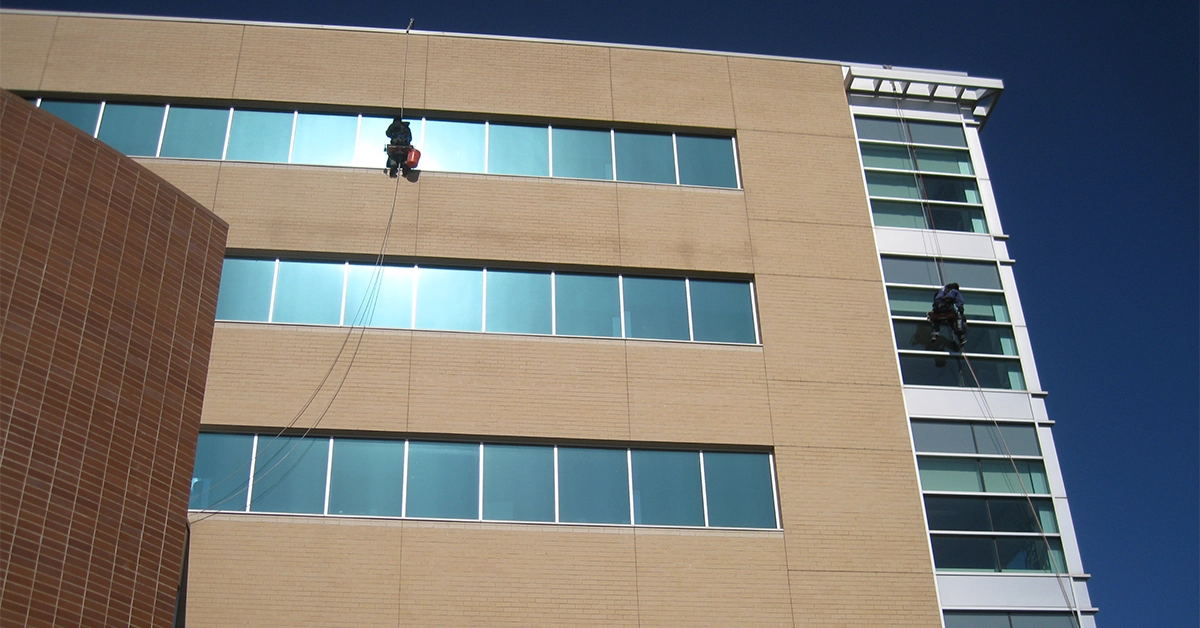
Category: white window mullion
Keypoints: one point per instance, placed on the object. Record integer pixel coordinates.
(328, 476)
(274, 284)
(550, 143)
(754, 313)
(553, 304)
(737, 168)
(404, 483)
(345, 285)
(556, 499)
(292, 142)
(486, 138)
(612, 145)
(416, 274)
(253, 463)
(675, 150)
(162, 130)
(99, 119)
(483, 323)
(357, 133)
(703, 489)
(480, 516)
(228, 128)
(774, 490)
(621, 299)
(629, 473)
(687, 288)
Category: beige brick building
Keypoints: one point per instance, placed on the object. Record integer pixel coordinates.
(787, 188)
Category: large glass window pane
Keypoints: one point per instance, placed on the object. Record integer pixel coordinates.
(955, 218)
(449, 299)
(937, 133)
(1030, 554)
(222, 472)
(519, 150)
(964, 553)
(972, 274)
(132, 129)
(910, 301)
(722, 311)
(886, 156)
(518, 483)
(593, 485)
(949, 474)
(309, 292)
(656, 308)
(367, 477)
(706, 161)
(915, 270)
(957, 513)
(666, 488)
(325, 140)
(976, 620)
(646, 157)
(950, 189)
(943, 437)
(893, 184)
(984, 307)
(81, 115)
(260, 136)
(443, 480)
(926, 370)
(1016, 440)
(194, 132)
(245, 293)
(1004, 374)
(452, 146)
(379, 296)
(1041, 620)
(587, 305)
(993, 340)
(739, 490)
(518, 302)
(289, 475)
(1029, 476)
(919, 270)
(918, 336)
(1015, 515)
(949, 161)
(582, 154)
(887, 129)
(372, 138)
(898, 214)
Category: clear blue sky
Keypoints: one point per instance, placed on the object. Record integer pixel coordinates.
(1093, 155)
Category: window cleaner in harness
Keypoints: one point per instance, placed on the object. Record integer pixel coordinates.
(948, 310)
(401, 154)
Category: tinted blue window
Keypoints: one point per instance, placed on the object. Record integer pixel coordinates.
(260, 136)
(309, 292)
(289, 475)
(518, 483)
(887, 129)
(379, 296)
(195, 133)
(325, 140)
(925, 370)
(666, 488)
(587, 305)
(935, 133)
(245, 290)
(452, 146)
(443, 480)
(518, 150)
(82, 115)
(646, 157)
(582, 154)
(593, 485)
(132, 129)
(222, 472)
(518, 302)
(656, 308)
(706, 161)
(367, 477)
(739, 490)
(722, 312)
(449, 299)
(923, 271)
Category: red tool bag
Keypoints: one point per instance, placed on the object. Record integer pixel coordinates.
(414, 156)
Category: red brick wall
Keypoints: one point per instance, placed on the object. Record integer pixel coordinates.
(108, 288)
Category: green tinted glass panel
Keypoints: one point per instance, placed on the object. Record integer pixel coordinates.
(245, 290)
(379, 296)
(195, 133)
(911, 301)
(925, 370)
(449, 299)
(706, 161)
(367, 477)
(1015, 515)
(1030, 554)
(893, 184)
(582, 154)
(923, 271)
(222, 472)
(518, 483)
(593, 485)
(645, 157)
(289, 475)
(957, 513)
(722, 311)
(656, 307)
(518, 302)
(991, 339)
(587, 305)
(950, 474)
(260, 136)
(937, 133)
(452, 146)
(519, 150)
(954, 553)
(956, 218)
(132, 129)
(943, 436)
(1017, 440)
(948, 161)
(1043, 620)
(898, 214)
(984, 307)
(949, 189)
(666, 488)
(1029, 477)
(309, 292)
(81, 115)
(976, 620)
(739, 490)
(443, 480)
(886, 129)
(886, 156)
(372, 138)
(325, 140)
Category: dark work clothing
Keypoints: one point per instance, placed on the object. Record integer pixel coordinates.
(397, 149)
(399, 133)
(943, 299)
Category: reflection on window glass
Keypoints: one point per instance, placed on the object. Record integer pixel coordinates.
(324, 140)
(309, 292)
(367, 477)
(518, 302)
(453, 146)
(1030, 554)
(195, 133)
(245, 293)
(593, 485)
(222, 472)
(666, 488)
(449, 299)
(706, 161)
(645, 157)
(950, 474)
(886, 156)
(289, 475)
(886, 129)
(919, 270)
(957, 513)
(81, 115)
(260, 136)
(954, 553)
(722, 311)
(926, 370)
(739, 490)
(379, 296)
(975, 619)
(898, 214)
(948, 161)
(656, 307)
(986, 475)
(971, 438)
(1029, 476)
(917, 336)
(917, 302)
(582, 154)
(950, 189)
(372, 138)
(443, 480)
(956, 218)
(990, 514)
(913, 215)
(521, 150)
(518, 483)
(1018, 440)
(132, 129)
(893, 184)
(937, 133)
(587, 305)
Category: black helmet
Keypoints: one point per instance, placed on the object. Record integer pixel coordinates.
(952, 286)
